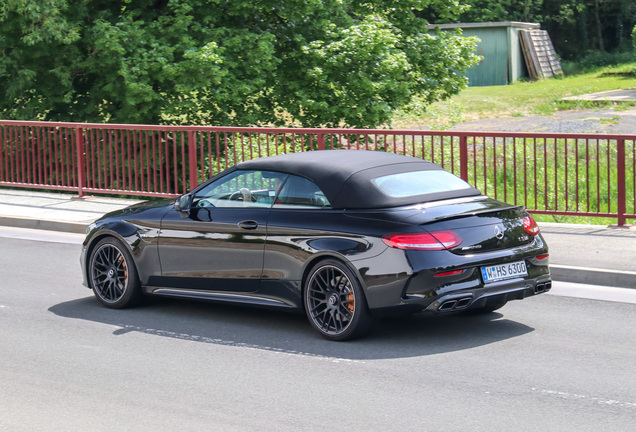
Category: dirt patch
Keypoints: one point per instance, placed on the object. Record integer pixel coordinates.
(605, 121)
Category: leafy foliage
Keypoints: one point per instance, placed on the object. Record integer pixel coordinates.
(238, 62)
(502, 10)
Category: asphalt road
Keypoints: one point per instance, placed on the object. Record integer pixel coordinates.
(551, 363)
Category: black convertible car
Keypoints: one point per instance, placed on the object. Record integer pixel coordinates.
(343, 235)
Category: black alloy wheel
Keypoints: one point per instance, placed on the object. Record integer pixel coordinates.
(334, 302)
(113, 276)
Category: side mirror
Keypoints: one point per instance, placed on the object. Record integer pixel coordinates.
(183, 204)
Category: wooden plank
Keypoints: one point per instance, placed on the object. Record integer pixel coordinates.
(554, 60)
(539, 54)
(529, 54)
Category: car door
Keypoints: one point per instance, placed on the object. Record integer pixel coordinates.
(218, 245)
(300, 216)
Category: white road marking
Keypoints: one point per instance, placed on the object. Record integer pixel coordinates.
(184, 336)
(575, 396)
(593, 292)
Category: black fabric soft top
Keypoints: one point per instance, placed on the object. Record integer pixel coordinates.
(345, 175)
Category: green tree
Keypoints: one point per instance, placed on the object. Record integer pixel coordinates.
(502, 10)
(229, 62)
(580, 26)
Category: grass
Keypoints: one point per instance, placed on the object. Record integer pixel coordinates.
(524, 98)
(542, 97)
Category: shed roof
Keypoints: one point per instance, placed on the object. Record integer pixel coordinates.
(524, 25)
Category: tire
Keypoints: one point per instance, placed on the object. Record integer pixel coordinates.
(335, 303)
(112, 274)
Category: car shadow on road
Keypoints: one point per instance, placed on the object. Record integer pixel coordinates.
(273, 330)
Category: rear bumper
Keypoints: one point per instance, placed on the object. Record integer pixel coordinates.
(461, 299)
(480, 297)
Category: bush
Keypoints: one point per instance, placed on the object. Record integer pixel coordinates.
(634, 39)
(594, 60)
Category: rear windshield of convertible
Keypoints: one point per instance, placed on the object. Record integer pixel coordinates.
(419, 183)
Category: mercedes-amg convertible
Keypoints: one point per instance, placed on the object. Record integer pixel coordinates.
(341, 235)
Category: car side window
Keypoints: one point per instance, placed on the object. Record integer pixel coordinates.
(241, 188)
(298, 192)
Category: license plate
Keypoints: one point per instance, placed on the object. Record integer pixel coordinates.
(504, 271)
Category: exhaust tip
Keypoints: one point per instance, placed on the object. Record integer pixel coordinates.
(463, 303)
(542, 287)
(455, 304)
(449, 305)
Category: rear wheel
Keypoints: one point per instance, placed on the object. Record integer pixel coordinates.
(334, 302)
(113, 275)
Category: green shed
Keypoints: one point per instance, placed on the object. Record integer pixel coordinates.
(503, 61)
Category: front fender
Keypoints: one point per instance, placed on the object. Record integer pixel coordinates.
(141, 242)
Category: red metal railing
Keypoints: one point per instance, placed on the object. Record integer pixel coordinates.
(557, 174)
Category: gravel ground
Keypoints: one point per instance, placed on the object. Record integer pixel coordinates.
(606, 121)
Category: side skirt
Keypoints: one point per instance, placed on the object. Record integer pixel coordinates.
(220, 296)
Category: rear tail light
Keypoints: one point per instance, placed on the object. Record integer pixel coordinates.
(438, 240)
(449, 273)
(530, 226)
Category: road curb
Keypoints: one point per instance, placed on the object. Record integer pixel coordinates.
(592, 276)
(48, 225)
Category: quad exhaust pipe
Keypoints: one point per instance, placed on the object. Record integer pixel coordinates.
(455, 304)
(542, 287)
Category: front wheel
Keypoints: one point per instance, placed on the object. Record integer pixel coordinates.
(113, 275)
(334, 302)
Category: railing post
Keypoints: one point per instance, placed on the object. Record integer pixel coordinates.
(463, 157)
(320, 137)
(81, 161)
(192, 160)
(620, 166)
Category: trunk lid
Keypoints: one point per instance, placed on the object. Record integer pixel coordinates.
(483, 225)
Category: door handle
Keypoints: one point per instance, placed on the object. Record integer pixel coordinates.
(248, 225)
